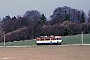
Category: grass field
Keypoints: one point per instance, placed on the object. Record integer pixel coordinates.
(20, 43)
(76, 39)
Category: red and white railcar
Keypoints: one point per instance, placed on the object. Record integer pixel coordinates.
(49, 40)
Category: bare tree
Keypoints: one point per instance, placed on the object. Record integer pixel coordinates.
(61, 14)
(32, 15)
(89, 16)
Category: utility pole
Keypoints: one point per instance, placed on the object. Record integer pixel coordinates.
(4, 41)
(82, 38)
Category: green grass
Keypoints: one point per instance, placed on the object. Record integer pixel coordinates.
(20, 43)
(87, 39)
(75, 39)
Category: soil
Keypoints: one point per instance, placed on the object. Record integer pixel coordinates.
(45, 53)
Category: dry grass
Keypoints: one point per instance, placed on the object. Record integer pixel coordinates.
(45, 53)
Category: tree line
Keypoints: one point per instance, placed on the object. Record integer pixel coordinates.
(64, 21)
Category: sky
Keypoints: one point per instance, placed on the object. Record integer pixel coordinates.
(19, 7)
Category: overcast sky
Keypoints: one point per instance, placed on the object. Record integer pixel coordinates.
(19, 7)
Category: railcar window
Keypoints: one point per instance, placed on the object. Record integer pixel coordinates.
(42, 39)
(58, 38)
(47, 39)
